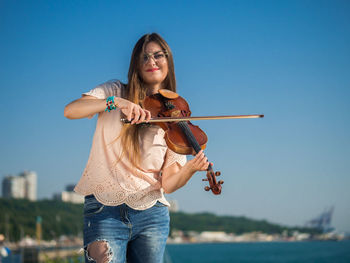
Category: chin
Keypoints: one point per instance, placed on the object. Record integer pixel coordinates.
(154, 81)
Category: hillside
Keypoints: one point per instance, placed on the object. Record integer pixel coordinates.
(18, 218)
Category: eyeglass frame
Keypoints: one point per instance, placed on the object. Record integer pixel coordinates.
(151, 55)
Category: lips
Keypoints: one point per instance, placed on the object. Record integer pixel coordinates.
(152, 69)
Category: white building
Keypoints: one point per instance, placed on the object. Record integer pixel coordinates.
(22, 186)
(72, 197)
(69, 196)
(30, 185)
(12, 187)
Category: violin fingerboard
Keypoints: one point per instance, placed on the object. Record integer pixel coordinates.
(189, 135)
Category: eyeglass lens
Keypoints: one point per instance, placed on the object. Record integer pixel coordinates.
(156, 56)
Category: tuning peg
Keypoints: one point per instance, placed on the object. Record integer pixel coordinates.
(205, 179)
(207, 188)
(217, 173)
(221, 182)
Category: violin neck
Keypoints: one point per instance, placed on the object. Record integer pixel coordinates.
(191, 139)
(189, 135)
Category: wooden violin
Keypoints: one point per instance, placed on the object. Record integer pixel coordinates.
(172, 113)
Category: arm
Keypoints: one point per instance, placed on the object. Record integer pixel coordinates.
(84, 107)
(87, 106)
(175, 176)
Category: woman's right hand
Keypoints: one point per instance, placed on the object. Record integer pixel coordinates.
(132, 111)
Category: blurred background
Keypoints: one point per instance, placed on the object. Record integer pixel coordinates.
(288, 60)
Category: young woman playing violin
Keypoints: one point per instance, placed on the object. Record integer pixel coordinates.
(126, 216)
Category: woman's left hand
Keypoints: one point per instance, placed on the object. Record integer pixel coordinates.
(175, 177)
(199, 162)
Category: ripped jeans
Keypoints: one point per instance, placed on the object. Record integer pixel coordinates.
(119, 234)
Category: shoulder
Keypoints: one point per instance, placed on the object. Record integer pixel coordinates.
(111, 87)
(113, 84)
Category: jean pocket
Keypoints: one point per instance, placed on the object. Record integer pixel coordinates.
(92, 207)
(159, 204)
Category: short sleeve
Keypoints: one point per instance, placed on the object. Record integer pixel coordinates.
(172, 157)
(103, 91)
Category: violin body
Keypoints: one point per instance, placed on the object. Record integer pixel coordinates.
(182, 136)
(176, 139)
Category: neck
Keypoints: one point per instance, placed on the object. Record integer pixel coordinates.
(153, 88)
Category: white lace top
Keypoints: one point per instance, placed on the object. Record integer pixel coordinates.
(113, 182)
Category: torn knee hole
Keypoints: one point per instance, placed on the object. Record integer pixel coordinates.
(99, 251)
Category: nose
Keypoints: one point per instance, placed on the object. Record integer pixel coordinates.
(151, 60)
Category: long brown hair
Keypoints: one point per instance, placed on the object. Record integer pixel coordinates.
(136, 92)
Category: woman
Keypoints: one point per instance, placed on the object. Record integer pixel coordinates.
(130, 166)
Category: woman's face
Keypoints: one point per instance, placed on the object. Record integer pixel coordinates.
(154, 64)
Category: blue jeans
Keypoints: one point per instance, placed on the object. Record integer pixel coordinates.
(128, 234)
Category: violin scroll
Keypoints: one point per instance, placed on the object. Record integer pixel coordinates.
(214, 186)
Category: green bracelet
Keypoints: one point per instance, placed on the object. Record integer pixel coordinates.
(110, 104)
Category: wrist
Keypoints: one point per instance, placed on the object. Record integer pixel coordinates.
(188, 168)
(110, 104)
(115, 100)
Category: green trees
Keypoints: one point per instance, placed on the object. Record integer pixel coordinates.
(18, 218)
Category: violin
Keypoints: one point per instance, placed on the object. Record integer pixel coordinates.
(172, 113)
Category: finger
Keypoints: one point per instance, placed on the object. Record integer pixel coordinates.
(199, 157)
(205, 163)
(205, 166)
(136, 115)
(142, 116)
(148, 115)
(202, 166)
(130, 111)
(199, 154)
(200, 161)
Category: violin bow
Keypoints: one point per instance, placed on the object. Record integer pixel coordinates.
(171, 119)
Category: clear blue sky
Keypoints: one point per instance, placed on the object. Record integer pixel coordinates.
(289, 60)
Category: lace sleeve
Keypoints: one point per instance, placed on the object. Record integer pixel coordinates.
(172, 157)
(103, 91)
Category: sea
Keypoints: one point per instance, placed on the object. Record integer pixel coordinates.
(252, 252)
(260, 252)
